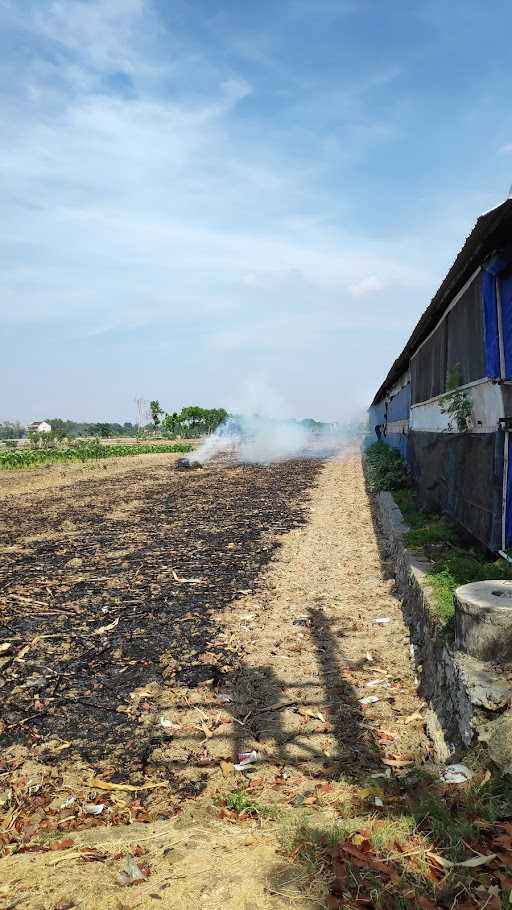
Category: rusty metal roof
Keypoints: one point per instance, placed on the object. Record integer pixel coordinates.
(492, 231)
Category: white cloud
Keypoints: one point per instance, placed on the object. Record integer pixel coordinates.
(369, 285)
(506, 149)
(162, 210)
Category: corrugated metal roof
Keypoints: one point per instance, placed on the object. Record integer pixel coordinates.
(492, 230)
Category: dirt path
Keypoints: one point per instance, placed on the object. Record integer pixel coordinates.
(318, 632)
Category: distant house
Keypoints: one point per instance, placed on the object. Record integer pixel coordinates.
(39, 426)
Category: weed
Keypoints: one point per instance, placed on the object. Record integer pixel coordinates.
(457, 403)
(386, 469)
(423, 819)
(453, 562)
(452, 570)
(240, 802)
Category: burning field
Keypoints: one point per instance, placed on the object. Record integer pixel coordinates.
(207, 700)
(112, 600)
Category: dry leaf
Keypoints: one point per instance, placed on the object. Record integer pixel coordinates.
(417, 715)
(397, 762)
(62, 844)
(227, 768)
(103, 629)
(96, 784)
(478, 860)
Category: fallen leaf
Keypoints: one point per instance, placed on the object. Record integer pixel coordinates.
(64, 844)
(308, 712)
(5, 646)
(397, 762)
(227, 768)
(322, 789)
(103, 629)
(96, 784)
(416, 715)
(92, 855)
(440, 860)
(478, 860)
(186, 581)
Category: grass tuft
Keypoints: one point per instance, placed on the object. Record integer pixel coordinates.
(454, 563)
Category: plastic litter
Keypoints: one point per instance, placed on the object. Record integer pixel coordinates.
(168, 724)
(382, 620)
(376, 682)
(223, 698)
(94, 808)
(245, 759)
(369, 700)
(378, 802)
(131, 873)
(455, 774)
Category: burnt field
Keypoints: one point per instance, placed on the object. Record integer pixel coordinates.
(110, 586)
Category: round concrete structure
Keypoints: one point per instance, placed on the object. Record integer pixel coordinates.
(483, 620)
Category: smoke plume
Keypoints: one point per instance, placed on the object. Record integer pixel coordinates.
(264, 440)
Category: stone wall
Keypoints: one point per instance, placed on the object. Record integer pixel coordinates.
(468, 699)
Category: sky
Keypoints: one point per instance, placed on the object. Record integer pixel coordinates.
(236, 204)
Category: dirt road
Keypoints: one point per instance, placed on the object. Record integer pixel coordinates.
(194, 617)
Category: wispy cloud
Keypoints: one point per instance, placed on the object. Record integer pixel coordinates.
(197, 193)
(369, 285)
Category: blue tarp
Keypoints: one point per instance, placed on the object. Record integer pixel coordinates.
(400, 442)
(506, 306)
(492, 273)
(377, 415)
(398, 406)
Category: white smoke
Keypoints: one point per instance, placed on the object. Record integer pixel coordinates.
(264, 440)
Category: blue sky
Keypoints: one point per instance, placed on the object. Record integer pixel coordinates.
(241, 204)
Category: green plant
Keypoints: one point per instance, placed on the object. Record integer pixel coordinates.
(457, 403)
(239, 801)
(386, 469)
(156, 410)
(82, 450)
(453, 562)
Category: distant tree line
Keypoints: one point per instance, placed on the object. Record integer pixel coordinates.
(69, 428)
(192, 421)
(103, 429)
(11, 429)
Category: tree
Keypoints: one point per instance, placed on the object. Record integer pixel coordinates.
(156, 410)
(170, 424)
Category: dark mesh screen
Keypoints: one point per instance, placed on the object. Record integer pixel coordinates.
(466, 334)
(458, 340)
(462, 474)
(428, 367)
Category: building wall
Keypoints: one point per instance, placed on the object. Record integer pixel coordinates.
(465, 474)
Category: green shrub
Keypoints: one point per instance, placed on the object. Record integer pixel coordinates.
(386, 469)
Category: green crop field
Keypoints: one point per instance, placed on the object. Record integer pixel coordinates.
(28, 458)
